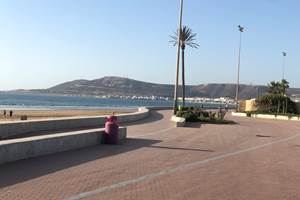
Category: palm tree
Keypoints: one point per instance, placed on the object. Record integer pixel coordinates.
(187, 38)
(284, 85)
(278, 87)
(273, 87)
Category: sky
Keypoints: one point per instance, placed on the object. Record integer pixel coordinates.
(47, 42)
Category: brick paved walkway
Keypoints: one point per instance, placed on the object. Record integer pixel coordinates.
(254, 159)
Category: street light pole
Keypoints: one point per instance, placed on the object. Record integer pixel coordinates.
(241, 29)
(178, 60)
(283, 65)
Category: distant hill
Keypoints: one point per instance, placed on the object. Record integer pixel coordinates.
(111, 86)
(130, 87)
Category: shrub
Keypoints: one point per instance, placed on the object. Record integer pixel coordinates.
(276, 103)
(190, 117)
(204, 114)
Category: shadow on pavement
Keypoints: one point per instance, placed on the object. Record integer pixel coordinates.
(263, 136)
(23, 170)
(199, 124)
(154, 116)
(193, 125)
(184, 149)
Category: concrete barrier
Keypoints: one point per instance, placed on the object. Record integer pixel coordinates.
(267, 116)
(155, 108)
(12, 129)
(237, 114)
(17, 149)
(263, 116)
(130, 117)
(282, 117)
(295, 119)
(179, 121)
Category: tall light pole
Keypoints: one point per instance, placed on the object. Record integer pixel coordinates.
(283, 65)
(241, 29)
(178, 60)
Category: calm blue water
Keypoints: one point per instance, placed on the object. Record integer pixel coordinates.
(37, 101)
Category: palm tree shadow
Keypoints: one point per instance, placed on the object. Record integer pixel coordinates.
(184, 149)
(263, 136)
(23, 170)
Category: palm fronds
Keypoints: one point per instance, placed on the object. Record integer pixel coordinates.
(187, 37)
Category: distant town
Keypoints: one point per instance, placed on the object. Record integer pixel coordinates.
(158, 98)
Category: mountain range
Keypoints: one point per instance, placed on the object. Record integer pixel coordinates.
(118, 86)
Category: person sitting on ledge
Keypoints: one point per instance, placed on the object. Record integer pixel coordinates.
(4, 113)
(11, 113)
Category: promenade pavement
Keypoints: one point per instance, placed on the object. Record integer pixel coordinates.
(252, 159)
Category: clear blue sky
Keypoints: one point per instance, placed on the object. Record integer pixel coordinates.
(46, 42)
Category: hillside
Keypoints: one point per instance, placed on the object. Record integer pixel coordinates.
(130, 87)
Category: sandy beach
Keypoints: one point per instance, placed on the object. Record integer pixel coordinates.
(42, 114)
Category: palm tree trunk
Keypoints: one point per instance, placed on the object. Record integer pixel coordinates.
(178, 60)
(183, 79)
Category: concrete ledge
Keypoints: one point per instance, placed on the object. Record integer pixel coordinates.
(17, 149)
(11, 129)
(295, 119)
(154, 108)
(237, 114)
(131, 117)
(179, 121)
(267, 116)
(262, 116)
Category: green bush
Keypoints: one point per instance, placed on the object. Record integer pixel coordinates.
(276, 103)
(190, 117)
(192, 114)
(204, 114)
(192, 111)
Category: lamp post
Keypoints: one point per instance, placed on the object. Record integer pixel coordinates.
(178, 60)
(241, 29)
(283, 65)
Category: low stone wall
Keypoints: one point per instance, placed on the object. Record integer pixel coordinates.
(266, 116)
(12, 129)
(17, 149)
(140, 114)
(155, 108)
(238, 114)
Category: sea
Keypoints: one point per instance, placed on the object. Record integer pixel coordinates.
(25, 101)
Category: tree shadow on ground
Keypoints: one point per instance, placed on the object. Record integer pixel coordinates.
(23, 170)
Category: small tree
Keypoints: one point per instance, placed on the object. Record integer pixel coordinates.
(278, 87)
(284, 85)
(276, 100)
(187, 38)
